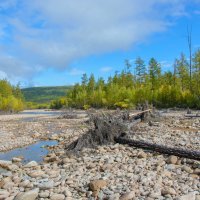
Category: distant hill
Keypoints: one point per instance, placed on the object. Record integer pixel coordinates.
(44, 94)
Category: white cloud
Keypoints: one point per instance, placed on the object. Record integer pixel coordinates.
(51, 33)
(166, 65)
(106, 69)
(76, 72)
(3, 75)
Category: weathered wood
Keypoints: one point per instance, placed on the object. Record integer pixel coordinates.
(105, 129)
(191, 154)
(192, 115)
(139, 113)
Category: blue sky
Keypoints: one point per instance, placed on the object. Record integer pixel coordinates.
(52, 42)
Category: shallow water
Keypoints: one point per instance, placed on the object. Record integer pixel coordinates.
(32, 152)
(42, 112)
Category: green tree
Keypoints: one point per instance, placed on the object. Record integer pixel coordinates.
(154, 73)
(140, 70)
(183, 71)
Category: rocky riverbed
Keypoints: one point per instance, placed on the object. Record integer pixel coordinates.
(110, 172)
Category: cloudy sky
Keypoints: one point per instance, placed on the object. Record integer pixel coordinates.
(53, 42)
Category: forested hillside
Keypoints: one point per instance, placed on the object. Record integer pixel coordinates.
(11, 98)
(179, 87)
(44, 94)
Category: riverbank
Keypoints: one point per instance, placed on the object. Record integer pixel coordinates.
(28, 127)
(114, 172)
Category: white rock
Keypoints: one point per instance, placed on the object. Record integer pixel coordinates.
(46, 185)
(128, 196)
(190, 196)
(44, 194)
(57, 197)
(31, 164)
(29, 195)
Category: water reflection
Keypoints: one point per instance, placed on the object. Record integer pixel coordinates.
(32, 152)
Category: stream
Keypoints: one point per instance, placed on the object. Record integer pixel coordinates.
(31, 152)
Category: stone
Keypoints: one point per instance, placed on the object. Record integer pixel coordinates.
(36, 135)
(8, 185)
(127, 196)
(15, 159)
(44, 194)
(31, 164)
(190, 196)
(197, 171)
(197, 197)
(24, 183)
(167, 191)
(37, 173)
(142, 154)
(13, 167)
(114, 196)
(57, 197)
(4, 194)
(46, 185)
(187, 169)
(67, 193)
(97, 185)
(29, 195)
(5, 163)
(172, 160)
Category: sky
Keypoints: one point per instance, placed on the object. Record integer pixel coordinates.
(53, 42)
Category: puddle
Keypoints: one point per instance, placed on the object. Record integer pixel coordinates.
(32, 152)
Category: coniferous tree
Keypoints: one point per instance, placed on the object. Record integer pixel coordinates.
(140, 70)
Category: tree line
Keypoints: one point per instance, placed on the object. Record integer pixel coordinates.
(11, 98)
(137, 83)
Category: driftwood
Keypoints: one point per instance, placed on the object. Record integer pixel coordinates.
(105, 129)
(160, 148)
(109, 129)
(192, 115)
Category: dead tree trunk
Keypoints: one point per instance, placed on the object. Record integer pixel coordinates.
(105, 129)
(160, 148)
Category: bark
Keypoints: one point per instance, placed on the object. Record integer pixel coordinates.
(105, 129)
(192, 115)
(160, 148)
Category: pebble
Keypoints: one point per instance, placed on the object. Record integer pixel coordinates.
(29, 195)
(31, 164)
(127, 196)
(172, 160)
(190, 196)
(57, 197)
(110, 172)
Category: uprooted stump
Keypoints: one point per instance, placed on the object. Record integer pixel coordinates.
(105, 130)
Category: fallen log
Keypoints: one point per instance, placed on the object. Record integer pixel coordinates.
(192, 115)
(191, 154)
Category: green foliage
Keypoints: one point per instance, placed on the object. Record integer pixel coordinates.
(126, 89)
(11, 98)
(86, 107)
(45, 95)
(59, 103)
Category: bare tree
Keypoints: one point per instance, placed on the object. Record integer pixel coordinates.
(189, 40)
